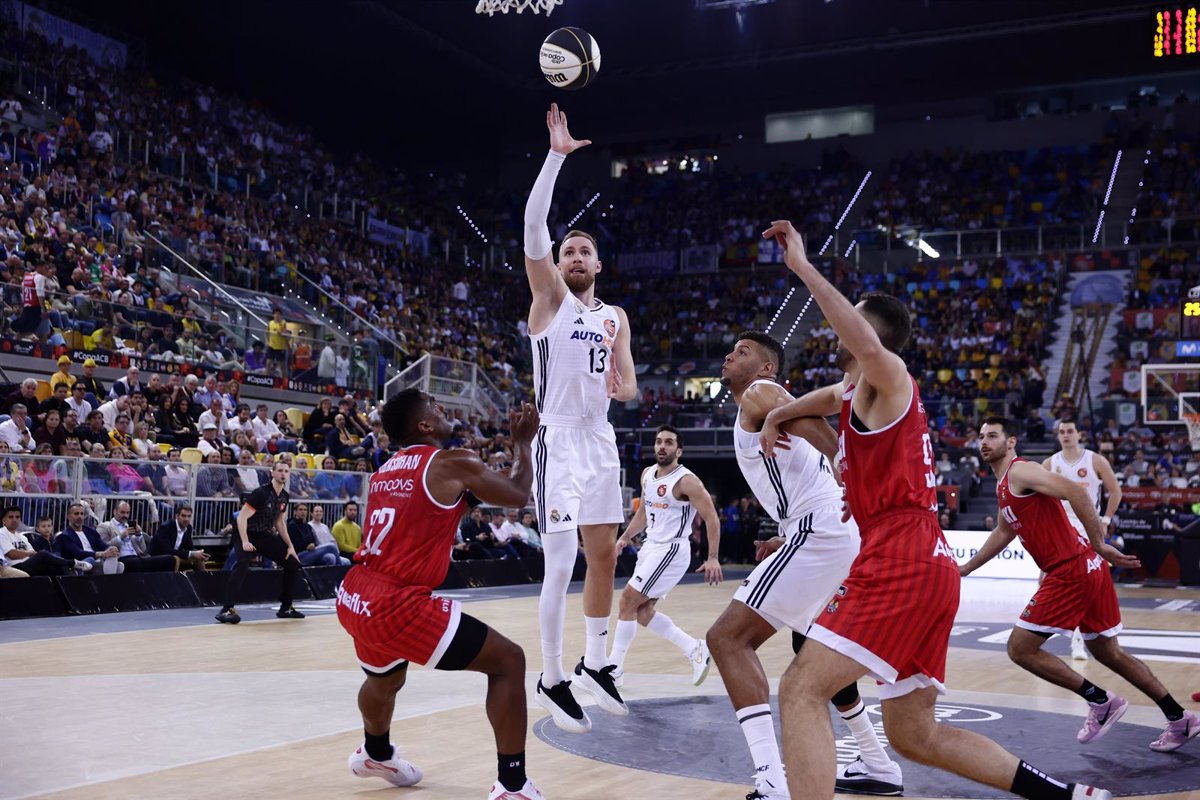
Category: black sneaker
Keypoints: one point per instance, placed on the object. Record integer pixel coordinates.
(289, 613)
(229, 616)
(564, 709)
(602, 687)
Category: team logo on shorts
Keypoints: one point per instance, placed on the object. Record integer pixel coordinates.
(662, 491)
(832, 607)
(1081, 472)
(554, 517)
(841, 592)
(1028, 612)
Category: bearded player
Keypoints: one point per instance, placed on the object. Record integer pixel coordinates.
(892, 616)
(386, 602)
(1077, 592)
(581, 360)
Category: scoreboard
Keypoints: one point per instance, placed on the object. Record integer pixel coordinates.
(1189, 315)
(1175, 32)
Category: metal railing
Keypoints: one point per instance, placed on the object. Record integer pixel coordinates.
(46, 486)
(455, 384)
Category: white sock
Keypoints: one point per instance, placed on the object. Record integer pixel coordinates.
(859, 723)
(759, 730)
(559, 551)
(662, 625)
(594, 653)
(622, 639)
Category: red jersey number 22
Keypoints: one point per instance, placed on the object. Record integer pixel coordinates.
(378, 527)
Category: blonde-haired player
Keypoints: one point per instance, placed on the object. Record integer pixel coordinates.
(581, 360)
(1090, 470)
(672, 496)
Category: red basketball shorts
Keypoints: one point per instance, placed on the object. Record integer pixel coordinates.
(391, 623)
(1076, 594)
(894, 612)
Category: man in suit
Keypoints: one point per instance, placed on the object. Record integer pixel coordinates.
(175, 538)
(131, 542)
(81, 543)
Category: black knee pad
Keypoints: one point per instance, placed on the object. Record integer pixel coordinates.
(847, 696)
(797, 641)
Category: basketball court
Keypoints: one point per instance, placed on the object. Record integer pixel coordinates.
(191, 709)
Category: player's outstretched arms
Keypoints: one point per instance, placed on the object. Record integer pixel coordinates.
(996, 542)
(454, 471)
(881, 368)
(544, 279)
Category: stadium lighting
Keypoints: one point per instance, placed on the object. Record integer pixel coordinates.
(927, 249)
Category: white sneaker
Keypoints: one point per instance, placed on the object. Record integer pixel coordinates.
(765, 790)
(528, 792)
(1078, 648)
(701, 662)
(857, 778)
(599, 683)
(1081, 792)
(83, 566)
(395, 770)
(563, 707)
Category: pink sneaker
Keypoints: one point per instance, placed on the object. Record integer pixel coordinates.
(1102, 717)
(1177, 733)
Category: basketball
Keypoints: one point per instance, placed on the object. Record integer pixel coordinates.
(570, 58)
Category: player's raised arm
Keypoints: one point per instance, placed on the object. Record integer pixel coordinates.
(996, 542)
(760, 400)
(454, 471)
(1025, 477)
(544, 279)
(881, 368)
(622, 378)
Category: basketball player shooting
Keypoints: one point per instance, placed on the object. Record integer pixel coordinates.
(386, 602)
(581, 360)
(1077, 591)
(1091, 471)
(893, 614)
(672, 497)
(796, 486)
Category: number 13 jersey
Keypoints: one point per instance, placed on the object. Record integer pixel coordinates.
(408, 535)
(571, 360)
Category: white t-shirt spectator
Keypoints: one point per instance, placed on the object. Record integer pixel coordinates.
(460, 291)
(341, 373)
(10, 109)
(321, 533)
(327, 364)
(220, 420)
(101, 140)
(20, 440)
(12, 541)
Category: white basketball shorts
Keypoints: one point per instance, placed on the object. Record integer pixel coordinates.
(577, 477)
(792, 585)
(660, 566)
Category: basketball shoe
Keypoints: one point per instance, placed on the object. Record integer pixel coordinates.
(395, 770)
(229, 616)
(1081, 792)
(618, 677)
(701, 661)
(527, 792)
(563, 707)
(1101, 718)
(599, 683)
(1177, 733)
(765, 790)
(857, 778)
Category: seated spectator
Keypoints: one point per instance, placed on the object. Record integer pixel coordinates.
(124, 477)
(17, 553)
(110, 410)
(215, 414)
(340, 442)
(25, 395)
(77, 542)
(154, 471)
(175, 538)
(57, 401)
(178, 427)
(319, 424)
(42, 475)
(268, 435)
(94, 432)
(516, 533)
(346, 531)
(532, 537)
(468, 543)
(133, 544)
(248, 476)
(121, 434)
(129, 383)
(63, 373)
(143, 442)
(78, 403)
(205, 396)
(176, 475)
(321, 533)
(285, 427)
(240, 421)
(308, 551)
(209, 444)
(328, 484)
(16, 432)
(93, 388)
(52, 431)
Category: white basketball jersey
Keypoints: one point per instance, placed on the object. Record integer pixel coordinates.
(571, 360)
(790, 483)
(1082, 472)
(667, 517)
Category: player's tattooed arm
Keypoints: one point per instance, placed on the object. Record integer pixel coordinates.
(996, 542)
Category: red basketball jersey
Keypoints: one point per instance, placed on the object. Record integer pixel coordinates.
(887, 470)
(29, 294)
(407, 534)
(1041, 524)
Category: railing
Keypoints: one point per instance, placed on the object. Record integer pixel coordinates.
(46, 486)
(455, 384)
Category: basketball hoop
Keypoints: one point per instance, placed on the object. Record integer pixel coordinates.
(490, 7)
(1193, 425)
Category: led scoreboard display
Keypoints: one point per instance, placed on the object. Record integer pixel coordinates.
(1175, 32)
(1189, 315)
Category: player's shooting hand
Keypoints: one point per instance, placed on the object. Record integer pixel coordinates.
(523, 423)
(561, 140)
(1118, 559)
(765, 548)
(792, 243)
(615, 381)
(771, 436)
(712, 571)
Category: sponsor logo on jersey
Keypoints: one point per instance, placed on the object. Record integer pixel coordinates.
(943, 549)
(353, 602)
(610, 327)
(579, 320)
(653, 504)
(567, 518)
(1095, 563)
(1081, 472)
(588, 336)
(841, 591)
(662, 490)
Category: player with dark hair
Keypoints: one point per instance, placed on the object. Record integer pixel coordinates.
(1077, 591)
(893, 614)
(797, 487)
(581, 361)
(386, 602)
(672, 496)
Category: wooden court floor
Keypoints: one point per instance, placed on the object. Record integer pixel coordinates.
(267, 709)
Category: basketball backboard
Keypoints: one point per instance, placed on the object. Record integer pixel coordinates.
(1168, 392)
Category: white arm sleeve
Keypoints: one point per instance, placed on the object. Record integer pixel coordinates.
(537, 235)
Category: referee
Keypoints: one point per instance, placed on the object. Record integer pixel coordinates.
(262, 526)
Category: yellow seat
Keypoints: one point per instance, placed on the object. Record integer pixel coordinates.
(296, 417)
(191, 455)
(164, 447)
(43, 391)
